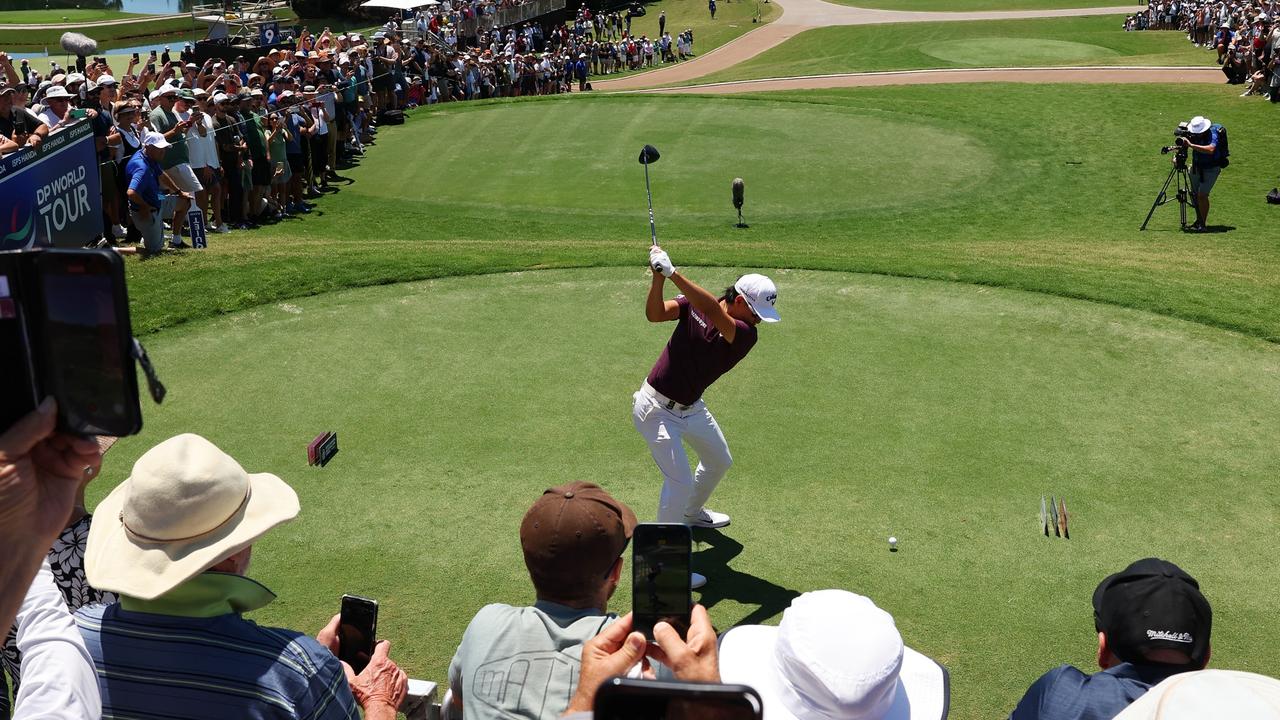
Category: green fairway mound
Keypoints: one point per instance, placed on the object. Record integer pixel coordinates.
(1005, 51)
(804, 160)
(936, 412)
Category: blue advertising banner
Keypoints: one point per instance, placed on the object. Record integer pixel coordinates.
(51, 195)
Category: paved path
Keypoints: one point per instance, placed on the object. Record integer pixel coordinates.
(801, 15)
(1040, 75)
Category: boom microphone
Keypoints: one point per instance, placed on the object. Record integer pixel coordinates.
(738, 189)
(79, 45)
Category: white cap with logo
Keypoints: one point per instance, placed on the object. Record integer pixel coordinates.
(155, 139)
(761, 294)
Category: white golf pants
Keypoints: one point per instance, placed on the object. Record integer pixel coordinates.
(683, 493)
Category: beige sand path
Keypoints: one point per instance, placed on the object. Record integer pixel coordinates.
(801, 15)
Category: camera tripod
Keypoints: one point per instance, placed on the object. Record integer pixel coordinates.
(1182, 191)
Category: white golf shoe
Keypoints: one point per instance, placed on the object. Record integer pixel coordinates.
(707, 519)
(697, 580)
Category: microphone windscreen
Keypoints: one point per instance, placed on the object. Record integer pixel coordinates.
(738, 189)
(79, 45)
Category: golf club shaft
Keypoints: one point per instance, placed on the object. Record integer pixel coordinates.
(653, 229)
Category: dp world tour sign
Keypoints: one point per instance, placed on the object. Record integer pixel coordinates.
(51, 195)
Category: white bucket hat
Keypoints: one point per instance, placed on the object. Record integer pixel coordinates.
(186, 506)
(1198, 124)
(1208, 694)
(761, 294)
(834, 655)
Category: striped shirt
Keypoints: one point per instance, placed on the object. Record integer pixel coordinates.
(189, 655)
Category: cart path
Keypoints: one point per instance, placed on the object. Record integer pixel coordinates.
(1037, 75)
(800, 15)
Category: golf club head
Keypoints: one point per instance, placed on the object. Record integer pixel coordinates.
(649, 154)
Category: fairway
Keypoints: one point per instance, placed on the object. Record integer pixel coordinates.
(936, 412)
(1095, 40)
(1038, 188)
(978, 5)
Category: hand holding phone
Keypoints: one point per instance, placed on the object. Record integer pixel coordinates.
(626, 699)
(357, 631)
(660, 576)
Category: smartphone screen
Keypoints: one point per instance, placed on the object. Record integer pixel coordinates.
(624, 699)
(357, 631)
(660, 576)
(87, 340)
(135, 57)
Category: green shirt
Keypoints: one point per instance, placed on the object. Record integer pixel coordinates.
(163, 121)
(253, 134)
(523, 661)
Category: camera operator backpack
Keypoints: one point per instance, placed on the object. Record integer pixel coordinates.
(1221, 152)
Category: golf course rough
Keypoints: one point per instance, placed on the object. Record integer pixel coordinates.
(936, 412)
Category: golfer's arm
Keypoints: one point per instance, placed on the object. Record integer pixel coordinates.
(707, 304)
(656, 309)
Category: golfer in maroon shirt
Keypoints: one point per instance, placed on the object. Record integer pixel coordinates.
(711, 335)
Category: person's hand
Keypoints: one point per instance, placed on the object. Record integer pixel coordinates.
(611, 653)
(381, 683)
(661, 262)
(40, 471)
(34, 140)
(694, 658)
(91, 113)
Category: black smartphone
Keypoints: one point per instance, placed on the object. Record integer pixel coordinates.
(357, 631)
(626, 699)
(660, 576)
(65, 332)
(135, 57)
(153, 55)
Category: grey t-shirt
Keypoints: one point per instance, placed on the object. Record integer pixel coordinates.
(522, 662)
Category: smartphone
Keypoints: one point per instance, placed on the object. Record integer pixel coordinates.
(357, 631)
(660, 575)
(153, 54)
(135, 57)
(627, 699)
(79, 114)
(65, 332)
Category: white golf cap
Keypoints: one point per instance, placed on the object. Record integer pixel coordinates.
(761, 294)
(1208, 694)
(155, 139)
(834, 655)
(219, 98)
(56, 91)
(1198, 124)
(106, 80)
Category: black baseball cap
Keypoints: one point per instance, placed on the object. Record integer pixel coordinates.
(1153, 604)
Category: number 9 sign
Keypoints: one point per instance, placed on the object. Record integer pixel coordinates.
(269, 34)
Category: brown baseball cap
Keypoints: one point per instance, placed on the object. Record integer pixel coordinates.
(572, 536)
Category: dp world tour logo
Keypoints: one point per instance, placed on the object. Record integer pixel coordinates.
(20, 236)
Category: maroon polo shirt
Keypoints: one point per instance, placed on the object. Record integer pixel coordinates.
(697, 355)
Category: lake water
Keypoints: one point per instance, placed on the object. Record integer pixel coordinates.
(56, 52)
(149, 7)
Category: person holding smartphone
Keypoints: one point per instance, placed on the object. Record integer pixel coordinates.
(573, 538)
(712, 335)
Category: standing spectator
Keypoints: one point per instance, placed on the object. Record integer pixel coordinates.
(176, 164)
(662, 22)
(174, 540)
(231, 152)
(573, 539)
(711, 5)
(203, 151)
(1152, 623)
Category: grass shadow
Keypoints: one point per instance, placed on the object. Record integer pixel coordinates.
(712, 552)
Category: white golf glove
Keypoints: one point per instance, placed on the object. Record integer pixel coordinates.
(661, 262)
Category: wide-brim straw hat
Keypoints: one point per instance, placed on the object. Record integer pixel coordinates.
(186, 506)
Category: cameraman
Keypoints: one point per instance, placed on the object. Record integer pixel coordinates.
(1207, 163)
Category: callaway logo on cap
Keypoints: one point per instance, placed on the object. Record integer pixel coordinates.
(761, 294)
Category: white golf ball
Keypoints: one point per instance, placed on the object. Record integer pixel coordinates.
(893, 541)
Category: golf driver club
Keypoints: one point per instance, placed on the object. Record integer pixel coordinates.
(649, 154)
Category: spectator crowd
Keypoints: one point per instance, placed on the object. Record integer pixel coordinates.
(137, 610)
(252, 141)
(1244, 37)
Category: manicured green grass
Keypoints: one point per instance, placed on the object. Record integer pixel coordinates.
(123, 35)
(48, 17)
(977, 5)
(1038, 188)
(937, 412)
(1006, 43)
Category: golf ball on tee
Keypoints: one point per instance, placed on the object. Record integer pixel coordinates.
(893, 543)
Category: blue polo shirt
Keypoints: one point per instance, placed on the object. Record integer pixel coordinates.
(1204, 158)
(189, 654)
(144, 178)
(1065, 693)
